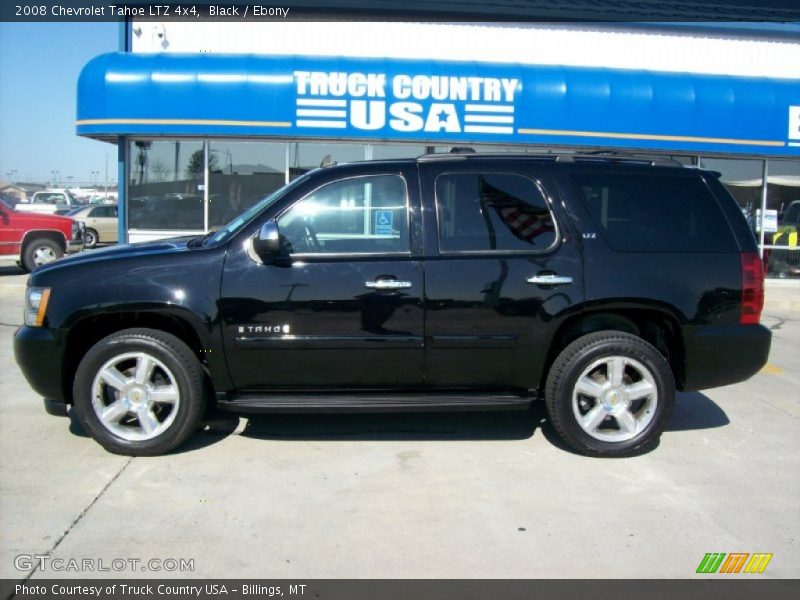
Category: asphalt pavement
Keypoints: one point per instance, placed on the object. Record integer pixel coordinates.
(461, 495)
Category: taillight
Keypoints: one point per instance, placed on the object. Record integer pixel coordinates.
(752, 288)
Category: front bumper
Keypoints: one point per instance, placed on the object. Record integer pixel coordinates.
(39, 352)
(78, 238)
(717, 356)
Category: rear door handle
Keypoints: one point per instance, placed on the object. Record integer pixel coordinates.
(551, 279)
(387, 284)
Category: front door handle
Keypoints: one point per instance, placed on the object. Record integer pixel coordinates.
(551, 279)
(387, 284)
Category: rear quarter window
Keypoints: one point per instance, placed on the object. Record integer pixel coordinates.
(638, 212)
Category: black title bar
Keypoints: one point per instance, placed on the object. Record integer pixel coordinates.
(734, 588)
(431, 10)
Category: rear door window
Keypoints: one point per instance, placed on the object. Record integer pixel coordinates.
(647, 212)
(485, 212)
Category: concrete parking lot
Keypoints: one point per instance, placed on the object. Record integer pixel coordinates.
(470, 495)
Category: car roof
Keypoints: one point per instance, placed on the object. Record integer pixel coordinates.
(600, 158)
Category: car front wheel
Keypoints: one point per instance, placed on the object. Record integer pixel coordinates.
(610, 393)
(139, 392)
(91, 239)
(39, 252)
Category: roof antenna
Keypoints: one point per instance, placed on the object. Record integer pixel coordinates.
(327, 162)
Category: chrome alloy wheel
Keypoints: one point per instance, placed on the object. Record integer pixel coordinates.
(135, 396)
(615, 399)
(43, 255)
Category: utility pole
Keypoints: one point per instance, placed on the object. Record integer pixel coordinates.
(106, 179)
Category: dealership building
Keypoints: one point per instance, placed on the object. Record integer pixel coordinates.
(210, 116)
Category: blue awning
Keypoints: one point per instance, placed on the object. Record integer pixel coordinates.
(438, 102)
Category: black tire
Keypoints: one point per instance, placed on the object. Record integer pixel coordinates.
(35, 248)
(178, 366)
(585, 359)
(91, 238)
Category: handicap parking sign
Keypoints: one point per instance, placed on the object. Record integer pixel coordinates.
(383, 222)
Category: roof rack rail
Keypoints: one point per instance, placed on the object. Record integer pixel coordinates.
(601, 156)
(621, 158)
(473, 155)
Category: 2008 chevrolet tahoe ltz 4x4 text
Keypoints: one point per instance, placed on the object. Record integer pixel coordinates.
(601, 285)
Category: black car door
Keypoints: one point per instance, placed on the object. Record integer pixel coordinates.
(501, 272)
(345, 310)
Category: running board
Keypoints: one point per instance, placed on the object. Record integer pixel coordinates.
(372, 402)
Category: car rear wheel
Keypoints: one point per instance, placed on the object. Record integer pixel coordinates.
(39, 252)
(610, 394)
(91, 238)
(139, 392)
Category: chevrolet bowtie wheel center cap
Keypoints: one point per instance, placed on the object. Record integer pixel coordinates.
(137, 395)
(615, 399)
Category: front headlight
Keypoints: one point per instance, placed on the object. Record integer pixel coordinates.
(77, 229)
(36, 299)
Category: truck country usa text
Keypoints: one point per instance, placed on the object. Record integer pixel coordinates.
(430, 103)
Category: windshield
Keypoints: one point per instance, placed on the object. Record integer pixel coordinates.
(225, 232)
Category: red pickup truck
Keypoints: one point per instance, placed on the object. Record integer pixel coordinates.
(30, 239)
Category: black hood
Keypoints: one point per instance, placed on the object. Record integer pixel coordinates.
(143, 249)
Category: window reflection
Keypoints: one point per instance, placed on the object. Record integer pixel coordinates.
(783, 196)
(743, 179)
(356, 215)
(240, 174)
(491, 211)
(306, 157)
(391, 151)
(166, 185)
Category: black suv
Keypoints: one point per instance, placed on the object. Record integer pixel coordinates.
(467, 281)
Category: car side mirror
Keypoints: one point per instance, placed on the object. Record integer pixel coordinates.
(267, 244)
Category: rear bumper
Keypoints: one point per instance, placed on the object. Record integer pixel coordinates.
(40, 355)
(717, 356)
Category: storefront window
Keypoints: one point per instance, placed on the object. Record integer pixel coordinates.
(240, 174)
(783, 196)
(743, 179)
(390, 151)
(166, 185)
(683, 160)
(783, 187)
(305, 157)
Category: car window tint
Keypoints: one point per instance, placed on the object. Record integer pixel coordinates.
(654, 213)
(355, 215)
(492, 211)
